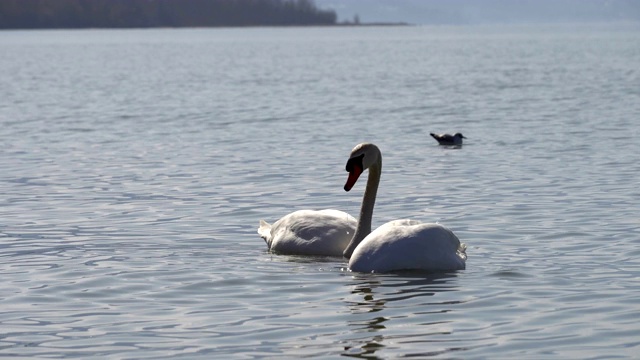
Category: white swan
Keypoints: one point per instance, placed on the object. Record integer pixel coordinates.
(398, 244)
(309, 232)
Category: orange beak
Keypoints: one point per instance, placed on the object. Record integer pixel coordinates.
(353, 177)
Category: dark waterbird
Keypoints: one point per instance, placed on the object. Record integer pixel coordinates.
(448, 139)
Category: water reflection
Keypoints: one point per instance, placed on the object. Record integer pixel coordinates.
(454, 147)
(376, 290)
(381, 305)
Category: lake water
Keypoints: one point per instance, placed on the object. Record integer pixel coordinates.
(136, 164)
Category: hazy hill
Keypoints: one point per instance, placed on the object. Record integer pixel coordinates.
(29, 14)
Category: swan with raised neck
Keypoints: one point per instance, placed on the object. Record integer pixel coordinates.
(398, 244)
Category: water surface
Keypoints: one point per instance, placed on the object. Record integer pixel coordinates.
(137, 163)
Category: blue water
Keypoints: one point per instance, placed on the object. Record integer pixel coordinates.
(135, 165)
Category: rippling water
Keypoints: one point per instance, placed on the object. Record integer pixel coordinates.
(137, 163)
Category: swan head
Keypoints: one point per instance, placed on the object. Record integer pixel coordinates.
(459, 136)
(362, 157)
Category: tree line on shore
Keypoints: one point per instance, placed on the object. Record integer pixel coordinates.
(52, 14)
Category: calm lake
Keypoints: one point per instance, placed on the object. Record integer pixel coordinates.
(135, 166)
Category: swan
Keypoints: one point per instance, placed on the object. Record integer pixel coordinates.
(398, 244)
(448, 139)
(309, 232)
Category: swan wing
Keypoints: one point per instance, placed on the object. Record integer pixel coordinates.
(309, 232)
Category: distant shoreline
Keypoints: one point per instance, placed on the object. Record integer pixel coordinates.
(373, 24)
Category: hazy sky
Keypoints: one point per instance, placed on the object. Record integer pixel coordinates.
(484, 11)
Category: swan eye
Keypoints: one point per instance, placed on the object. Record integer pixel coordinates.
(354, 162)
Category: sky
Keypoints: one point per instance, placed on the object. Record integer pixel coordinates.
(484, 11)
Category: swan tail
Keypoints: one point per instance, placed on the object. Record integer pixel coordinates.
(265, 230)
(462, 251)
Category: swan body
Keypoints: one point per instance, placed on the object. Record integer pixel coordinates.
(399, 244)
(448, 139)
(309, 232)
(408, 245)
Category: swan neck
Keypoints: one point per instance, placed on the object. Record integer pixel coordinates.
(366, 209)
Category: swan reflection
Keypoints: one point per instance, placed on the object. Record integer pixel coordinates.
(380, 289)
(383, 307)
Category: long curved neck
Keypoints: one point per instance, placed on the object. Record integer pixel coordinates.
(366, 209)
